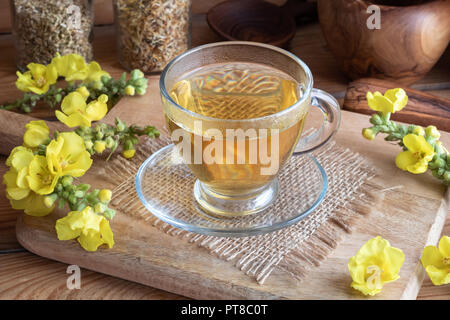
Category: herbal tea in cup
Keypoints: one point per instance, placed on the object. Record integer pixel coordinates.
(235, 111)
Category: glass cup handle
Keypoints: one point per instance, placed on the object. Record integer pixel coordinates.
(332, 119)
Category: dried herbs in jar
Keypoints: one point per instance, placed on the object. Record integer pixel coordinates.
(150, 33)
(43, 28)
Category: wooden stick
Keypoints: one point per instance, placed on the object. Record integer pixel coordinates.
(422, 109)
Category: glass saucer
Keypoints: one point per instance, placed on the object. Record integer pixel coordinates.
(165, 185)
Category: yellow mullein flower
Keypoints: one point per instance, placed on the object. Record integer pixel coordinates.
(15, 178)
(67, 155)
(32, 205)
(375, 264)
(436, 262)
(416, 158)
(71, 66)
(75, 112)
(40, 179)
(392, 101)
(91, 229)
(38, 79)
(95, 72)
(36, 134)
(17, 188)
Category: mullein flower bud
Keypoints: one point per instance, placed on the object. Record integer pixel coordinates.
(109, 142)
(99, 208)
(130, 91)
(88, 144)
(140, 91)
(433, 132)
(105, 195)
(128, 154)
(83, 91)
(109, 213)
(447, 176)
(66, 181)
(98, 85)
(50, 200)
(136, 74)
(368, 133)
(99, 146)
(418, 130)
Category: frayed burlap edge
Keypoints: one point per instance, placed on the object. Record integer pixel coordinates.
(301, 246)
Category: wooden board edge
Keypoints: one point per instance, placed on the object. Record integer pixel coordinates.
(415, 282)
(158, 278)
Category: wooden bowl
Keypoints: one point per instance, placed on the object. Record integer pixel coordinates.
(412, 37)
(252, 20)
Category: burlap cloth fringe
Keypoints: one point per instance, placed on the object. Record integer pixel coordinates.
(294, 249)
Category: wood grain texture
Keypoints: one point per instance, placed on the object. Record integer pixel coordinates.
(146, 255)
(22, 276)
(422, 108)
(409, 42)
(308, 44)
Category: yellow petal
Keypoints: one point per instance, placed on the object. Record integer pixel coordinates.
(36, 133)
(33, 204)
(24, 81)
(40, 179)
(90, 241)
(394, 261)
(405, 159)
(398, 97)
(364, 289)
(96, 110)
(65, 229)
(444, 246)
(95, 72)
(438, 276)
(419, 167)
(378, 102)
(74, 120)
(21, 180)
(431, 256)
(21, 158)
(13, 191)
(416, 143)
(106, 233)
(74, 102)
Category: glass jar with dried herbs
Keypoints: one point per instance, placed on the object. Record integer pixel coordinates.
(43, 28)
(150, 33)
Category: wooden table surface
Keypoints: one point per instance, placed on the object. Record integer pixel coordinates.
(22, 273)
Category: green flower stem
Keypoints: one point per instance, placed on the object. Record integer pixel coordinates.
(439, 166)
(104, 136)
(114, 89)
(78, 197)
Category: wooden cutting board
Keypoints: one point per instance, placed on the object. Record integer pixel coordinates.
(410, 216)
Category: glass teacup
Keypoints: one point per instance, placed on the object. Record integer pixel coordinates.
(236, 111)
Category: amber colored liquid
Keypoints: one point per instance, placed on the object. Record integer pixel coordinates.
(238, 91)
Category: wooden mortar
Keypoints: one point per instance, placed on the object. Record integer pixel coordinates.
(413, 36)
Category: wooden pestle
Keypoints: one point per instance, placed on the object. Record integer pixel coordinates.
(422, 109)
